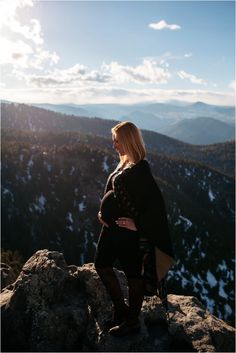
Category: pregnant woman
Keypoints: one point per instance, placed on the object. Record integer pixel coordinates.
(133, 216)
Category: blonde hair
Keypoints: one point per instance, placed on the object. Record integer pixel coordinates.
(132, 141)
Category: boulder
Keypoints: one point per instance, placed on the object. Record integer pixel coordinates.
(55, 307)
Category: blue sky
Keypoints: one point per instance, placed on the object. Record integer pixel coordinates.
(118, 52)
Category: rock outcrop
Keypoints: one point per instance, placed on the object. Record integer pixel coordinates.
(7, 275)
(58, 308)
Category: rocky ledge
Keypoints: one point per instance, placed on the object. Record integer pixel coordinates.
(53, 307)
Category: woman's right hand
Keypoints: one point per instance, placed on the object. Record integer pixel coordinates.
(101, 220)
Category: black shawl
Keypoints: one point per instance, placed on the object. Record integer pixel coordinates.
(150, 215)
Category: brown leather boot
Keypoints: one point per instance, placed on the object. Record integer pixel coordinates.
(131, 325)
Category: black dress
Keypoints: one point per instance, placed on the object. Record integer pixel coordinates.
(117, 243)
(116, 201)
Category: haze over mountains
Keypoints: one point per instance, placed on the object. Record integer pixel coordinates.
(182, 121)
(200, 131)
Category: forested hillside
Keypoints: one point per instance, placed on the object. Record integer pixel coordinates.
(26, 118)
(51, 188)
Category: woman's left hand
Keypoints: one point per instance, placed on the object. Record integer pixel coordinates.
(126, 223)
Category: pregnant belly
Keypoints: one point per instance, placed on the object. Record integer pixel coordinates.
(109, 208)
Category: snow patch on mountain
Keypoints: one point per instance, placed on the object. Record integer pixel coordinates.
(228, 311)
(40, 204)
(6, 191)
(105, 166)
(72, 170)
(222, 266)
(188, 172)
(211, 195)
(47, 166)
(221, 289)
(82, 206)
(187, 223)
(211, 279)
(70, 219)
(31, 126)
(29, 166)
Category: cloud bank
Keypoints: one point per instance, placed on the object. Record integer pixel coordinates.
(148, 72)
(103, 94)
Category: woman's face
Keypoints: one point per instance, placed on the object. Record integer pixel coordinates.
(117, 145)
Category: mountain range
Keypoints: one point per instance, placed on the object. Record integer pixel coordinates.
(54, 168)
(28, 118)
(183, 121)
(201, 131)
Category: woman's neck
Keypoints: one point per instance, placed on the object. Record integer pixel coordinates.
(126, 163)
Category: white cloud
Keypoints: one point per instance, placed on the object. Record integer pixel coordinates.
(163, 25)
(164, 59)
(15, 53)
(232, 85)
(8, 10)
(32, 32)
(19, 53)
(73, 76)
(184, 75)
(10, 21)
(188, 55)
(22, 55)
(147, 72)
(41, 56)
